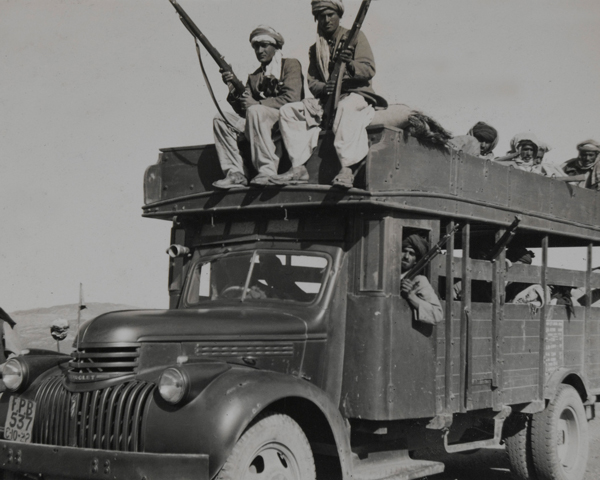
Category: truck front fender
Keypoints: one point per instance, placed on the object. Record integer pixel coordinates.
(213, 421)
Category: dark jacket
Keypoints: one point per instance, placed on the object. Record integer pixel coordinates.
(359, 72)
(290, 88)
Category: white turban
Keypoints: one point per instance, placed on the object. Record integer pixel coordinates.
(319, 5)
(262, 33)
(589, 146)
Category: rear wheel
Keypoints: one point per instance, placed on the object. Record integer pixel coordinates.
(273, 447)
(518, 448)
(559, 437)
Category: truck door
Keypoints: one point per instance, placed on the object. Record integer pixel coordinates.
(390, 359)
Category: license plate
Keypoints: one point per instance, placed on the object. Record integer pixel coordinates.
(19, 421)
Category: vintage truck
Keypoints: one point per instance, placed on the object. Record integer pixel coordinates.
(288, 352)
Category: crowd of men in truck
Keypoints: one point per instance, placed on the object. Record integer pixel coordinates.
(274, 106)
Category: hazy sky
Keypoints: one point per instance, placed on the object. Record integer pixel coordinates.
(91, 89)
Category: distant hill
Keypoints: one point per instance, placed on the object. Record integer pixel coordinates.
(34, 325)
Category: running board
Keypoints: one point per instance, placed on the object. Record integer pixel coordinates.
(392, 465)
(492, 442)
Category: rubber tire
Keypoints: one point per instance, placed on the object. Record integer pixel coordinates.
(546, 432)
(520, 456)
(275, 443)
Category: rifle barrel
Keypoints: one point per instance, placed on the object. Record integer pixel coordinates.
(339, 68)
(213, 52)
(430, 255)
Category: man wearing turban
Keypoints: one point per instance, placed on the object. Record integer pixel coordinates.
(418, 292)
(300, 121)
(277, 82)
(479, 142)
(523, 154)
(487, 137)
(584, 170)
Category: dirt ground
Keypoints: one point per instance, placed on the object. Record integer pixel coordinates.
(492, 463)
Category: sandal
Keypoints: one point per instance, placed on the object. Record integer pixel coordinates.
(344, 179)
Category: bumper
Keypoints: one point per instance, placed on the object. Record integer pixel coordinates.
(86, 463)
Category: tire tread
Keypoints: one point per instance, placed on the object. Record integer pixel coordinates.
(259, 424)
(543, 434)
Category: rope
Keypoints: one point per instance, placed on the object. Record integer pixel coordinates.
(212, 94)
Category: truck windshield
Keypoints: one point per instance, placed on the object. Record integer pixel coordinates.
(257, 276)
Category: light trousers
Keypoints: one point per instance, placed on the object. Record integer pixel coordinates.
(299, 124)
(259, 127)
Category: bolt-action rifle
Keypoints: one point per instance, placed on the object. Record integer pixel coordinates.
(430, 255)
(238, 86)
(339, 68)
(504, 240)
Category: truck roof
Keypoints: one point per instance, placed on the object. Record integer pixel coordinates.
(399, 173)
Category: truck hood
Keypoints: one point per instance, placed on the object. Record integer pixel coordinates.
(215, 323)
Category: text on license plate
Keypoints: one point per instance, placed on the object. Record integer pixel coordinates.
(19, 421)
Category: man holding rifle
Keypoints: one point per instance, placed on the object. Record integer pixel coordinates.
(277, 82)
(300, 122)
(418, 291)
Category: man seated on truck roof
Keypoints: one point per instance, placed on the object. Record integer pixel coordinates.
(418, 292)
(277, 82)
(583, 170)
(300, 121)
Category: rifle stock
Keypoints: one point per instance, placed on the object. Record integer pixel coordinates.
(238, 86)
(339, 68)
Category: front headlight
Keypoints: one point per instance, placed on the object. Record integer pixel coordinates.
(173, 385)
(14, 374)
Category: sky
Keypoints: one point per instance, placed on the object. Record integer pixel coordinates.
(91, 89)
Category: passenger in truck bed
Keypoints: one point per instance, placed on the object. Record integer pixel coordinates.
(519, 292)
(583, 170)
(277, 82)
(300, 121)
(419, 293)
(522, 154)
(543, 149)
(479, 142)
(487, 137)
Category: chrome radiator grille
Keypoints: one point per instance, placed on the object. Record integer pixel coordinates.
(107, 419)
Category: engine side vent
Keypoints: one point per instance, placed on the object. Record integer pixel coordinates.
(92, 364)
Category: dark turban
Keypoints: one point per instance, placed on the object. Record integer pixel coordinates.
(319, 5)
(418, 243)
(264, 33)
(484, 133)
(520, 255)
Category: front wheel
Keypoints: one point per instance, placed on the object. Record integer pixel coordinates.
(273, 447)
(559, 437)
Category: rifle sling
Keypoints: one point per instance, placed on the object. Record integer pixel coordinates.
(209, 86)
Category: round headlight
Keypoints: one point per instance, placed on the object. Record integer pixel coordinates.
(13, 374)
(172, 385)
